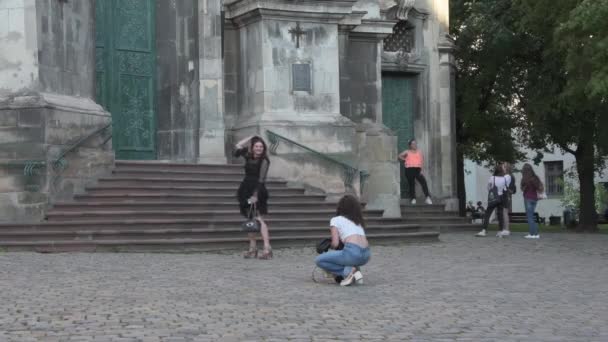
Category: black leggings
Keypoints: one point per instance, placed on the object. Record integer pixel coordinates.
(499, 215)
(412, 174)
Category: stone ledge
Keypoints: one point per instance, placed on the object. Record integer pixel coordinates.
(81, 105)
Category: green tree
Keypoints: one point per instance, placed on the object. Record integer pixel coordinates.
(563, 104)
(538, 66)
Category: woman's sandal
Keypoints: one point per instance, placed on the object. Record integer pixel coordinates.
(266, 254)
(251, 254)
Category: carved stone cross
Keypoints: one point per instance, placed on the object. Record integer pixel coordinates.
(296, 33)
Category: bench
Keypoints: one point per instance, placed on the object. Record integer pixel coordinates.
(521, 218)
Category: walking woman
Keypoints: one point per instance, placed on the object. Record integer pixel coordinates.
(531, 186)
(500, 182)
(413, 160)
(252, 191)
(511, 190)
(347, 227)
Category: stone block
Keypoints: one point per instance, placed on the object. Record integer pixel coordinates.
(30, 117)
(9, 118)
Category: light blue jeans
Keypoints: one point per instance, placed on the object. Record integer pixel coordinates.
(530, 209)
(341, 263)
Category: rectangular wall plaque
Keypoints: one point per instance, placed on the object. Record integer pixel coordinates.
(301, 77)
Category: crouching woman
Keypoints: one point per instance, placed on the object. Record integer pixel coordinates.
(347, 227)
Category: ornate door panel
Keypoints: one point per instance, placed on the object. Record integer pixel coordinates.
(398, 104)
(126, 67)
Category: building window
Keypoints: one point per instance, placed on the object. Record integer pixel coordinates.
(402, 39)
(554, 178)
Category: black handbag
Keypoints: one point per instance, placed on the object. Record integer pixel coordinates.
(252, 225)
(493, 198)
(325, 245)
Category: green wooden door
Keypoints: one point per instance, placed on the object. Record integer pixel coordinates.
(125, 68)
(398, 104)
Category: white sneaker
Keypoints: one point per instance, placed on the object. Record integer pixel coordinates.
(481, 233)
(413, 201)
(428, 201)
(536, 237)
(358, 278)
(529, 236)
(506, 232)
(499, 234)
(348, 280)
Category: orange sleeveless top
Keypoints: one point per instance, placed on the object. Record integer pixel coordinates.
(413, 159)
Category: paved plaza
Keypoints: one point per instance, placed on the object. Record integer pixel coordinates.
(462, 288)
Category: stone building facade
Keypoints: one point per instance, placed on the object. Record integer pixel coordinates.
(335, 86)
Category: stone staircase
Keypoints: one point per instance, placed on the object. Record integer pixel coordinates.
(155, 206)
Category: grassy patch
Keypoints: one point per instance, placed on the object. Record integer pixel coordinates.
(523, 228)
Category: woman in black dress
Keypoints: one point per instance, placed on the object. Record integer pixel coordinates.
(253, 190)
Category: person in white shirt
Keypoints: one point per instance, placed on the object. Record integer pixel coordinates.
(347, 227)
(501, 182)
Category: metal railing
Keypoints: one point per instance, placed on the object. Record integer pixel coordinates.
(348, 171)
(32, 168)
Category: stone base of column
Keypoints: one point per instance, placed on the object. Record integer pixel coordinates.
(212, 146)
(37, 128)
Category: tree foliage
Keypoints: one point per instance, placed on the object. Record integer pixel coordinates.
(540, 67)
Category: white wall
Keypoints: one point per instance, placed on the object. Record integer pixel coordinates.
(476, 179)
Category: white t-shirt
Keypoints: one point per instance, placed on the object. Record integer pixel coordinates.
(502, 183)
(346, 227)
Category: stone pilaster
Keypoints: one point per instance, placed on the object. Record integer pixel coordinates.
(211, 133)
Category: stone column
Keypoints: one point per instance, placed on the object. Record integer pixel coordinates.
(211, 133)
(47, 86)
(448, 123)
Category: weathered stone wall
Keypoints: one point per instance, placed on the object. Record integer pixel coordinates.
(178, 80)
(360, 82)
(66, 50)
(47, 81)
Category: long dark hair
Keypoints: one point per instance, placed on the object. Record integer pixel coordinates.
(349, 207)
(252, 143)
(529, 179)
(499, 171)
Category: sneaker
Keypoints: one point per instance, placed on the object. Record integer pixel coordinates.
(499, 234)
(536, 237)
(481, 233)
(358, 278)
(428, 201)
(530, 236)
(506, 232)
(413, 201)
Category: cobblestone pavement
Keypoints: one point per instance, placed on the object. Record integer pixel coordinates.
(463, 288)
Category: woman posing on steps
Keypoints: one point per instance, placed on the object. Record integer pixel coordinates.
(252, 191)
(347, 227)
(413, 160)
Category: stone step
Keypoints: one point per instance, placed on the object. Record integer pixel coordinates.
(179, 174)
(195, 233)
(180, 182)
(57, 215)
(82, 206)
(136, 165)
(185, 245)
(193, 198)
(184, 190)
(181, 223)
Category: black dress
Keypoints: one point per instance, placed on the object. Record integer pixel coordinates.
(253, 183)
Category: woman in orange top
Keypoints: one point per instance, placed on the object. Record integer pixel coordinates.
(413, 171)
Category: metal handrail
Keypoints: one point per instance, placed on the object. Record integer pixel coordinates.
(32, 167)
(348, 173)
